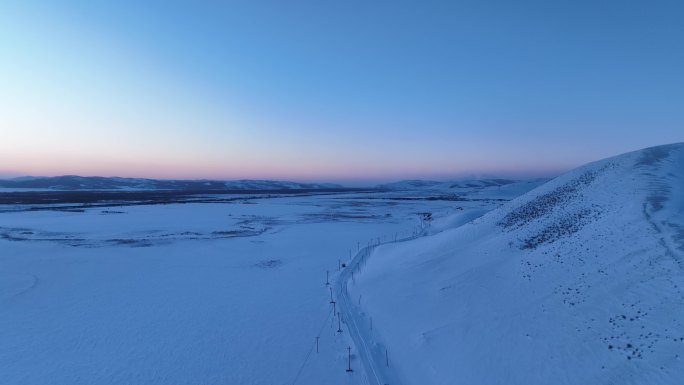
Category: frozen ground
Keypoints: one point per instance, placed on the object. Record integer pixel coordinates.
(195, 293)
(580, 281)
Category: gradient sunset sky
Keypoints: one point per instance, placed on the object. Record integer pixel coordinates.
(334, 90)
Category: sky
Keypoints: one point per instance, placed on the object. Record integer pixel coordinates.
(344, 91)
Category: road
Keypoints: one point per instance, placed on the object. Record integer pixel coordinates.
(371, 351)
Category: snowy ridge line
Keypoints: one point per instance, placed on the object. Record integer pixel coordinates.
(380, 375)
(308, 354)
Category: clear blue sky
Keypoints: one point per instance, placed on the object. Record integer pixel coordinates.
(334, 90)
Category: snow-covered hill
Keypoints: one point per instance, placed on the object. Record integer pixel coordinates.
(73, 182)
(473, 188)
(463, 184)
(580, 281)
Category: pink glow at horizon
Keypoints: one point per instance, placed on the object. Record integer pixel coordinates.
(302, 170)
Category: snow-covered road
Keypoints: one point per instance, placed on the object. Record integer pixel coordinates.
(371, 351)
(359, 327)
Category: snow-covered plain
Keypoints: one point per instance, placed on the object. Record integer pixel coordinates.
(214, 293)
(580, 281)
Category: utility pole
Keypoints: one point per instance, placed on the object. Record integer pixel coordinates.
(339, 323)
(386, 358)
(334, 307)
(317, 344)
(331, 298)
(349, 369)
(327, 278)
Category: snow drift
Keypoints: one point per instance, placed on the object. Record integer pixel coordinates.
(579, 281)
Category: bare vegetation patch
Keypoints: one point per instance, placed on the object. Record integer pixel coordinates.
(567, 225)
(546, 203)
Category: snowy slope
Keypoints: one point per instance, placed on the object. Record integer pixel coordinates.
(579, 281)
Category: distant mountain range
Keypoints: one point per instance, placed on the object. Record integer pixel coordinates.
(73, 182)
(451, 185)
(77, 183)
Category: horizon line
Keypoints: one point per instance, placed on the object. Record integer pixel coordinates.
(371, 180)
